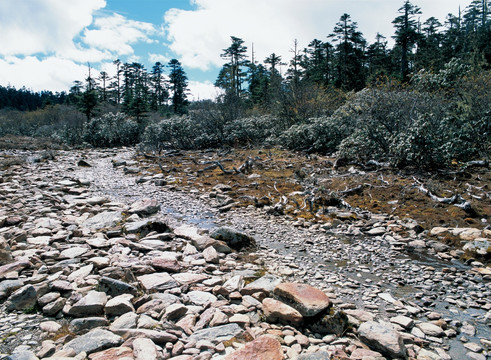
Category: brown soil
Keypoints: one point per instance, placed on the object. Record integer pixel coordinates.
(286, 174)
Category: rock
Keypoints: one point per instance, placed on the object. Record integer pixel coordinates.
(308, 300)
(125, 321)
(144, 349)
(23, 355)
(264, 284)
(91, 304)
(233, 238)
(118, 353)
(377, 231)
(276, 311)
(146, 226)
(5, 253)
(217, 334)
(211, 255)
(319, 355)
(469, 234)
(158, 337)
(50, 326)
(144, 207)
(201, 242)
(404, 321)
(15, 266)
(479, 246)
(189, 278)
(336, 323)
(93, 341)
(262, 348)
(175, 311)
(105, 219)
(157, 281)
(363, 354)
(201, 297)
(166, 264)
(119, 305)
(22, 299)
(438, 231)
(80, 325)
(8, 286)
(81, 273)
(73, 252)
(382, 337)
(114, 287)
(431, 329)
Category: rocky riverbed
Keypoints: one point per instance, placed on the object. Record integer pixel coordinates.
(102, 259)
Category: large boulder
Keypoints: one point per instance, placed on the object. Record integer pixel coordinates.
(382, 337)
(276, 311)
(308, 300)
(235, 239)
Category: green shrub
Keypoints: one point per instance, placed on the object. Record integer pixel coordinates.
(111, 130)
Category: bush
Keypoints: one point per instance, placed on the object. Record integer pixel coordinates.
(179, 132)
(111, 130)
(254, 130)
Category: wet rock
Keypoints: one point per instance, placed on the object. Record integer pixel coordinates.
(144, 207)
(233, 238)
(308, 300)
(431, 329)
(262, 348)
(93, 341)
(276, 311)
(382, 337)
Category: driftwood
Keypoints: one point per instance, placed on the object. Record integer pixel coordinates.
(456, 200)
(245, 167)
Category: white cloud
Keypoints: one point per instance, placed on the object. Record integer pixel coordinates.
(202, 90)
(48, 74)
(199, 36)
(33, 26)
(116, 34)
(163, 59)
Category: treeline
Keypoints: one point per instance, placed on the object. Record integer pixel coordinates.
(425, 102)
(26, 100)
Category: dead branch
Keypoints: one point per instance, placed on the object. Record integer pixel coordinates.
(215, 164)
(456, 200)
(356, 190)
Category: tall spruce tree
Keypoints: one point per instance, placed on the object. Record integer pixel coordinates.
(178, 84)
(406, 34)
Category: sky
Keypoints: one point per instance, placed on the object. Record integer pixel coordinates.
(48, 44)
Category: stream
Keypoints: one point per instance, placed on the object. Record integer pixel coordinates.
(358, 269)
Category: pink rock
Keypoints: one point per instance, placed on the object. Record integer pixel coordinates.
(263, 348)
(308, 300)
(276, 311)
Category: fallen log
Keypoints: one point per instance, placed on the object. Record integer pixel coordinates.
(456, 200)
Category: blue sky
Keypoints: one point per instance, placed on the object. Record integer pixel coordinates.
(47, 44)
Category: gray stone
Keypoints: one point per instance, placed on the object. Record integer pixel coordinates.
(201, 297)
(431, 329)
(73, 252)
(217, 334)
(145, 207)
(93, 341)
(144, 349)
(105, 219)
(84, 324)
(23, 355)
(125, 321)
(320, 355)
(235, 239)
(119, 305)
(8, 286)
(382, 337)
(22, 299)
(158, 337)
(114, 287)
(264, 284)
(91, 304)
(146, 226)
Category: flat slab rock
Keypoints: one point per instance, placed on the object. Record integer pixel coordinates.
(263, 348)
(308, 300)
(218, 333)
(93, 341)
(382, 337)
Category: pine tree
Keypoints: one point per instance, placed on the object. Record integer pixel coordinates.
(406, 34)
(178, 85)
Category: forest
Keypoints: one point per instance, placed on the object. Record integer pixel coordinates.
(425, 102)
